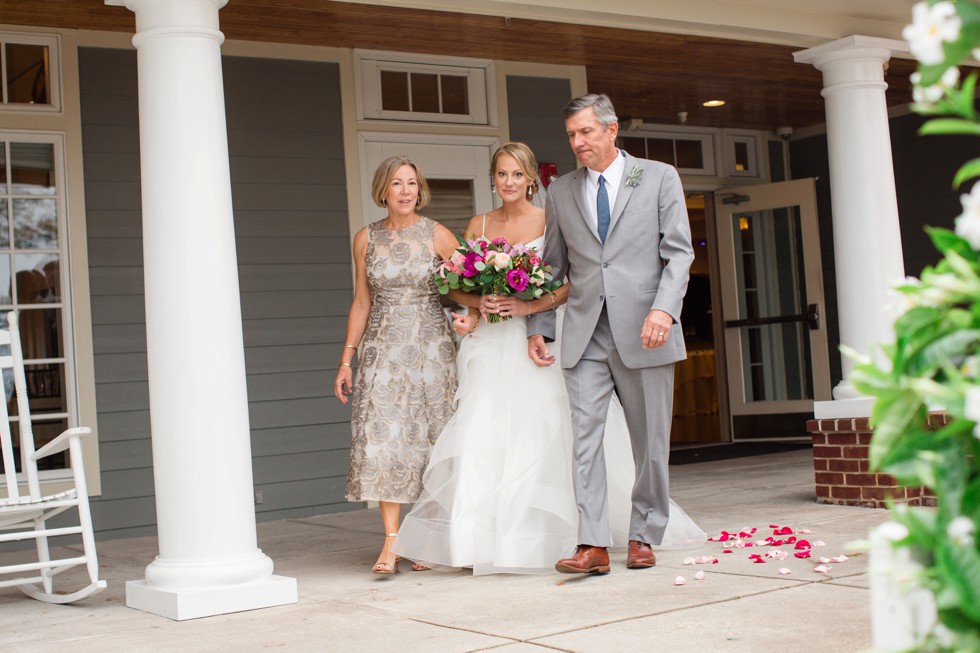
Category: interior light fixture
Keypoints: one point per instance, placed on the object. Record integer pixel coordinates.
(713, 103)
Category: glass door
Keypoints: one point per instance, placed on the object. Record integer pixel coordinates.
(772, 307)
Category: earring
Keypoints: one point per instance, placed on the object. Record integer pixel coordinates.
(384, 201)
(530, 194)
(418, 200)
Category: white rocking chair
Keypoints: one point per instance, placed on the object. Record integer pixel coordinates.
(26, 515)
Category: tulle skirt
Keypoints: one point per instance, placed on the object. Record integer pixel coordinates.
(497, 493)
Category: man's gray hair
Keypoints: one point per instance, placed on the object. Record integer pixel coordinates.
(599, 102)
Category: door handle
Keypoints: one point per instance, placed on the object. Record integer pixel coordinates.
(813, 316)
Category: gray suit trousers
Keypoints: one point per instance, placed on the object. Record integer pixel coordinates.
(647, 398)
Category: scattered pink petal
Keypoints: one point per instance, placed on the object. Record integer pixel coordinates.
(679, 580)
(824, 559)
(746, 533)
(840, 558)
(779, 554)
(725, 536)
(704, 560)
(688, 561)
(726, 550)
(791, 539)
(699, 576)
(802, 544)
(804, 531)
(764, 542)
(757, 559)
(819, 543)
(773, 525)
(823, 569)
(783, 571)
(802, 554)
(785, 530)
(742, 545)
(778, 542)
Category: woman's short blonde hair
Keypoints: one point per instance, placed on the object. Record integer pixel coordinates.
(525, 159)
(386, 172)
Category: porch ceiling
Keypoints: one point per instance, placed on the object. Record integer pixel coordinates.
(649, 75)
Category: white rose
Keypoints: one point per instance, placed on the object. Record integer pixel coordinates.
(971, 408)
(501, 261)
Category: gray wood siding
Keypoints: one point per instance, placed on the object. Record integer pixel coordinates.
(289, 195)
(534, 107)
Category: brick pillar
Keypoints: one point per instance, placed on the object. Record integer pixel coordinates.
(841, 469)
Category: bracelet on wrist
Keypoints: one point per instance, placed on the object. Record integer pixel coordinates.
(553, 306)
(350, 347)
(343, 364)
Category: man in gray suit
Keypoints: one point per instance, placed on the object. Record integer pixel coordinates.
(617, 228)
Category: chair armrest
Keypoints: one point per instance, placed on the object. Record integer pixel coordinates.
(61, 442)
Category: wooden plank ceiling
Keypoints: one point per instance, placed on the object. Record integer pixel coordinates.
(648, 75)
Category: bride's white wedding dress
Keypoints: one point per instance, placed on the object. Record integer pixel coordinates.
(497, 493)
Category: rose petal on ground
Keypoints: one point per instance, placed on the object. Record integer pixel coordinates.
(783, 571)
(824, 559)
(756, 558)
(744, 544)
(773, 525)
(823, 569)
(791, 539)
(726, 550)
(746, 532)
(699, 576)
(679, 580)
(802, 554)
(819, 543)
(840, 558)
(785, 530)
(688, 561)
(765, 542)
(802, 544)
(804, 531)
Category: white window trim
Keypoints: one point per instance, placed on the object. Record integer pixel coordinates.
(481, 99)
(53, 43)
(706, 138)
(57, 139)
(752, 139)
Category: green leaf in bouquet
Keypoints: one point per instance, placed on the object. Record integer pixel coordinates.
(967, 171)
(946, 239)
(869, 379)
(452, 278)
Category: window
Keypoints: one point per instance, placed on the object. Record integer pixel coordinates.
(740, 155)
(691, 154)
(422, 89)
(32, 252)
(29, 72)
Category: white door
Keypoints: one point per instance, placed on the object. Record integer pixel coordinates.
(457, 169)
(772, 303)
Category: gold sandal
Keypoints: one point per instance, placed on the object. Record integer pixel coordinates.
(386, 568)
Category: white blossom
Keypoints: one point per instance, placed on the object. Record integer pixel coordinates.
(968, 223)
(930, 28)
(892, 531)
(971, 367)
(961, 530)
(934, 93)
(971, 408)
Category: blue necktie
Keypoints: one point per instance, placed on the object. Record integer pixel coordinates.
(602, 209)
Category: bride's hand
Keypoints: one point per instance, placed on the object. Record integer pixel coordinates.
(488, 304)
(510, 306)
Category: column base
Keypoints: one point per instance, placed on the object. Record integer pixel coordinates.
(843, 408)
(194, 603)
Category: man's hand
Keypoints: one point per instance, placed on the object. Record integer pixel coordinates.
(656, 329)
(537, 351)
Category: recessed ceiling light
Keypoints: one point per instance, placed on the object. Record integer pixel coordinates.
(713, 103)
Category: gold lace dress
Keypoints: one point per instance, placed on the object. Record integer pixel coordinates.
(406, 379)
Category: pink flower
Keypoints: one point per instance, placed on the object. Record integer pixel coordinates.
(469, 264)
(517, 279)
(535, 260)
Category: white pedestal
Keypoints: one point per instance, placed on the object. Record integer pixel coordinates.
(181, 603)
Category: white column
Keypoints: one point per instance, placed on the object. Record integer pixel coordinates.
(867, 238)
(209, 561)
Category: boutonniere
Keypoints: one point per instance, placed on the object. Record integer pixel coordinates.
(633, 178)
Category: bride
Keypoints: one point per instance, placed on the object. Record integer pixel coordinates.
(497, 493)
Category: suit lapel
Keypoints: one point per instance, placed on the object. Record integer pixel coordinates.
(580, 184)
(623, 196)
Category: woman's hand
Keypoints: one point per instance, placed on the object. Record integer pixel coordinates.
(505, 305)
(343, 383)
(464, 323)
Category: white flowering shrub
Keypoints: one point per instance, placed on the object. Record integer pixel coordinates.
(934, 363)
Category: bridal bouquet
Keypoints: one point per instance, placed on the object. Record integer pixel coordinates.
(495, 267)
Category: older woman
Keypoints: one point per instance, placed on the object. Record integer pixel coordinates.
(407, 375)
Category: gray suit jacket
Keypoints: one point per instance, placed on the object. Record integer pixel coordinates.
(645, 263)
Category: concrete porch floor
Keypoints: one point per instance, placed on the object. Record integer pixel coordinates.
(739, 606)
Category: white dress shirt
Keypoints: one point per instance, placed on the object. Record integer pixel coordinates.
(614, 180)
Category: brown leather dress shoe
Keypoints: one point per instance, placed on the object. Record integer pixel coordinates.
(640, 555)
(587, 560)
